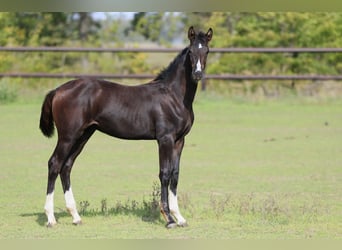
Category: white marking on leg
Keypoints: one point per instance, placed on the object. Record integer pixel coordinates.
(198, 66)
(49, 210)
(174, 209)
(71, 206)
(200, 46)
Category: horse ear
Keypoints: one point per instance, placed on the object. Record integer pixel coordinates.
(209, 34)
(191, 34)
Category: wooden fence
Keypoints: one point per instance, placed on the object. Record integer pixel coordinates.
(223, 76)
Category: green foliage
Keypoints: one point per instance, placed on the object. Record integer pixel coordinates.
(148, 210)
(157, 27)
(231, 29)
(8, 93)
(7, 61)
(37, 28)
(148, 24)
(277, 29)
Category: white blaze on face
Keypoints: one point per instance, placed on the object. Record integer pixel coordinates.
(198, 66)
(173, 204)
(200, 46)
(71, 206)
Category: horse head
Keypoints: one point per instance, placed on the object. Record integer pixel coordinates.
(198, 51)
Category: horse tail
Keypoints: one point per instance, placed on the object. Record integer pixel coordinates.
(46, 119)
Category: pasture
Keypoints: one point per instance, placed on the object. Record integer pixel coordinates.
(269, 169)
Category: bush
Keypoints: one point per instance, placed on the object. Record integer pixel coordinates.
(8, 93)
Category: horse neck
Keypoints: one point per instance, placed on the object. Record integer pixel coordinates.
(186, 86)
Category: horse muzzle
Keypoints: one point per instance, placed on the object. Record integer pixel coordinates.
(197, 75)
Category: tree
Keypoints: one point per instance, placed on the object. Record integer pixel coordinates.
(84, 26)
(277, 29)
(148, 25)
(160, 27)
(38, 28)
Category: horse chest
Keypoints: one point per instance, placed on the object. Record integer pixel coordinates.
(174, 119)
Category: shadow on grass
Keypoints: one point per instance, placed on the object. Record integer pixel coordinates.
(41, 217)
(146, 211)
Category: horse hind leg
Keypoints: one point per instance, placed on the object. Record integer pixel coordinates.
(49, 210)
(68, 194)
(65, 175)
(55, 164)
(71, 207)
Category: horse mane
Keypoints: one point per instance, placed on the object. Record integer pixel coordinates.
(169, 70)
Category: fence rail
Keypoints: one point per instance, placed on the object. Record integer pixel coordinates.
(150, 76)
(171, 50)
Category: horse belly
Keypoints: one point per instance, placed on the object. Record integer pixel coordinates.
(122, 127)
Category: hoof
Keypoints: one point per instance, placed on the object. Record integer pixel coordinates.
(50, 224)
(183, 224)
(171, 225)
(77, 223)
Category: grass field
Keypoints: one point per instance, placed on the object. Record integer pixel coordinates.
(250, 170)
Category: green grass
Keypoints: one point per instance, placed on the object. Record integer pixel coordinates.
(269, 169)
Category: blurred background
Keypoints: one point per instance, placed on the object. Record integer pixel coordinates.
(148, 30)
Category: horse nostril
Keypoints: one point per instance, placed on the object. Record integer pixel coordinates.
(197, 75)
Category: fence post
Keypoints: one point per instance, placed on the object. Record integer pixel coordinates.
(204, 83)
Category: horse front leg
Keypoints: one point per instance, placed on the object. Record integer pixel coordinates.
(166, 145)
(173, 200)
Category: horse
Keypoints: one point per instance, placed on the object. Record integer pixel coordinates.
(159, 110)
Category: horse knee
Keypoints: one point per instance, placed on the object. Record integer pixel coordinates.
(174, 177)
(164, 177)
